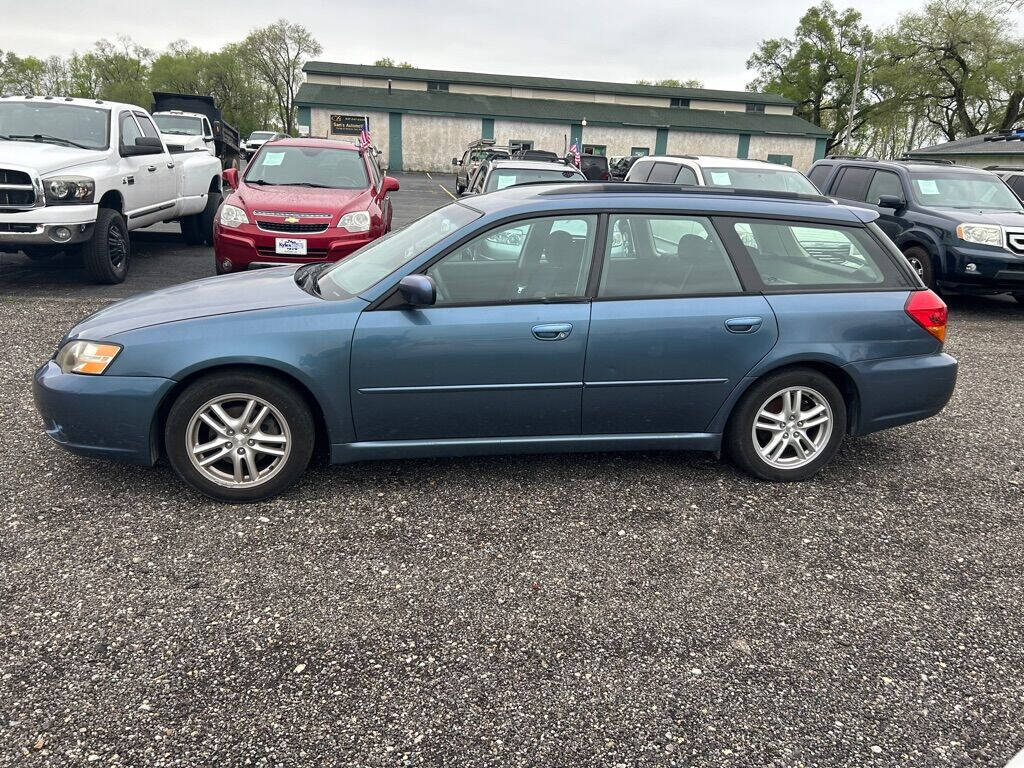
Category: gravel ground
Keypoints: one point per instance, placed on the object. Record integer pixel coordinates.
(607, 610)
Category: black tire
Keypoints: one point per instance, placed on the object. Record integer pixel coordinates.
(107, 253)
(740, 435)
(297, 424)
(197, 229)
(459, 189)
(1019, 298)
(921, 261)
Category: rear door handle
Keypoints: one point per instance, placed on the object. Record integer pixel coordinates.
(552, 331)
(743, 324)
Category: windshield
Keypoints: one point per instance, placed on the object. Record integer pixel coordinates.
(66, 124)
(767, 179)
(308, 166)
(952, 189)
(375, 261)
(261, 135)
(508, 177)
(178, 125)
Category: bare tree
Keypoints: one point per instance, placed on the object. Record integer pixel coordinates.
(276, 54)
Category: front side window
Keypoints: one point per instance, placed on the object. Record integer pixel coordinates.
(762, 179)
(509, 177)
(884, 183)
(966, 191)
(545, 259)
(651, 255)
(308, 167)
(55, 123)
(148, 129)
(375, 261)
(790, 254)
(129, 130)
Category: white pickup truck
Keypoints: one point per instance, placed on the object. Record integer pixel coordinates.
(79, 174)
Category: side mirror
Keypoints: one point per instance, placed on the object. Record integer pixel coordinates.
(418, 290)
(230, 175)
(144, 145)
(389, 184)
(891, 201)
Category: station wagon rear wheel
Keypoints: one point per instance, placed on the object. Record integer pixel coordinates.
(239, 437)
(787, 426)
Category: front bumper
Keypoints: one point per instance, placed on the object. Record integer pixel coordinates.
(37, 226)
(901, 390)
(100, 416)
(994, 270)
(248, 246)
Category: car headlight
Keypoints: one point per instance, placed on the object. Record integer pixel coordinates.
(69, 190)
(357, 221)
(232, 216)
(89, 357)
(983, 234)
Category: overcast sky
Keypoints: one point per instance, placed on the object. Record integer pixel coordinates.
(596, 40)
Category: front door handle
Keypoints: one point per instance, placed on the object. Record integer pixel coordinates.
(743, 324)
(552, 331)
(151, 168)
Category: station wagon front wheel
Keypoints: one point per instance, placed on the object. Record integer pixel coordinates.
(787, 426)
(239, 437)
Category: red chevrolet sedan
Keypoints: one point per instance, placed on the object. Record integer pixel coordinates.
(301, 201)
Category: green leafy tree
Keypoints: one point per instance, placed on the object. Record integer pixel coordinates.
(276, 53)
(387, 61)
(673, 83)
(20, 75)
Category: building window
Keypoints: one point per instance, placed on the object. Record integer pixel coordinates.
(594, 149)
(640, 151)
(434, 85)
(758, 108)
(517, 145)
(781, 159)
(684, 103)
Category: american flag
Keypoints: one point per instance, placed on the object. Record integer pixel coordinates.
(574, 153)
(364, 135)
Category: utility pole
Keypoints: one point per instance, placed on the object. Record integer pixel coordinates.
(853, 101)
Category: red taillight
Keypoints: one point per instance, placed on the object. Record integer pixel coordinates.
(929, 311)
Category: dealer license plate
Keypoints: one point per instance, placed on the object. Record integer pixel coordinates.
(291, 246)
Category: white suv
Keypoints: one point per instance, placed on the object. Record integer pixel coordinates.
(710, 171)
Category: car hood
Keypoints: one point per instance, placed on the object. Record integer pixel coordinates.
(244, 292)
(299, 199)
(45, 158)
(975, 216)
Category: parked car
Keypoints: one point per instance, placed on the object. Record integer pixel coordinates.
(618, 167)
(542, 155)
(594, 167)
(189, 123)
(79, 174)
(1013, 176)
(962, 228)
(478, 152)
(541, 318)
(301, 200)
(498, 174)
(707, 170)
(257, 139)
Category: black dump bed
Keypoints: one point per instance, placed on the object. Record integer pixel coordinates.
(225, 135)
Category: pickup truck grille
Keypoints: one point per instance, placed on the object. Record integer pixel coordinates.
(16, 189)
(1015, 242)
(280, 226)
(27, 228)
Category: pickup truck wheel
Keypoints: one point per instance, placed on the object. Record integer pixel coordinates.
(921, 261)
(107, 253)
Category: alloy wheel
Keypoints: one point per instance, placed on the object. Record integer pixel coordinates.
(792, 427)
(117, 246)
(238, 440)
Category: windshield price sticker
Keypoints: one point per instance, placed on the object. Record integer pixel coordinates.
(927, 186)
(273, 158)
(720, 178)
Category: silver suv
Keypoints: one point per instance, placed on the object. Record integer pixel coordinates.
(710, 171)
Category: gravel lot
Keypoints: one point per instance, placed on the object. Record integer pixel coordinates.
(608, 610)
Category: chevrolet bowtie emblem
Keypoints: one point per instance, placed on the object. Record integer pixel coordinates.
(291, 220)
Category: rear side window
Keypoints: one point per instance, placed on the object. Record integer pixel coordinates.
(819, 175)
(640, 170)
(853, 183)
(686, 176)
(652, 255)
(788, 255)
(664, 173)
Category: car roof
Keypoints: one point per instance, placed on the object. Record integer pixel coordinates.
(909, 165)
(532, 164)
(718, 162)
(95, 103)
(535, 197)
(321, 143)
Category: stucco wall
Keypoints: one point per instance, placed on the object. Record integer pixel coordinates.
(430, 143)
(800, 147)
(549, 136)
(321, 126)
(619, 141)
(696, 143)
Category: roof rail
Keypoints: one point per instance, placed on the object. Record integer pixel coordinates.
(622, 187)
(1017, 168)
(852, 157)
(929, 161)
(1008, 135)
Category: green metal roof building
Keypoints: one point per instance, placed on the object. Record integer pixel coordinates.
(421, 119)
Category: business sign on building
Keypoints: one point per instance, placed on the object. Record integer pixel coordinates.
(346, 125)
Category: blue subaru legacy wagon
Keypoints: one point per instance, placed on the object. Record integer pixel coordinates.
(540, 318)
